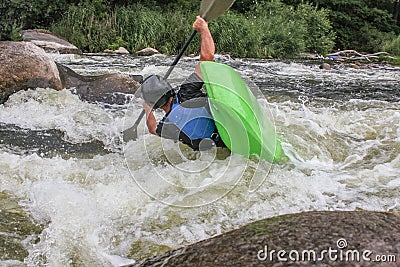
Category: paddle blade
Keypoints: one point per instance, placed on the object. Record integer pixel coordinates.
(130, 134)
(211, 9)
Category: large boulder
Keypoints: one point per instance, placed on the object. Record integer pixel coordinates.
(108, 88)
(49, 41)
(319, 238)
(25, 65)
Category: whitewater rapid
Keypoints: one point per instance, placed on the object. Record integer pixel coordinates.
(340, 134)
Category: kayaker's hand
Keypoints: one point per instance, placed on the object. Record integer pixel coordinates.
(200, 25)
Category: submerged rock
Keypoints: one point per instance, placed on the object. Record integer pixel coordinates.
(25, 65)
(325, 66)
(338, 238)
(17, 230)
(108, 88)
(47, 143)
(49, 41)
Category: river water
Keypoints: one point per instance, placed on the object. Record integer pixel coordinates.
(73, 194)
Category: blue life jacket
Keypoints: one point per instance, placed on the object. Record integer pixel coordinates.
(195, 122)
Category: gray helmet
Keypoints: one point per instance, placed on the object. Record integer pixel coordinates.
(156, 91)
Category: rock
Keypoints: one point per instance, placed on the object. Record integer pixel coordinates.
(49, 41)
(345, 233)
(25, 65)
(107, 88)
(325, 66)
(147, 52)
(355, 65)
(48, 144)
(121, 50)
(17, 227)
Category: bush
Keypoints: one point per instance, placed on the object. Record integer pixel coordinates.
(320, 36)
(27, 14)
(372, 40)
(359, 24)
(143, 27)
(272, 29)
(134, 27)
(287, 31)
(86, 28)
(252, 28)
(234, 34)
(393, 47)
(266, 31)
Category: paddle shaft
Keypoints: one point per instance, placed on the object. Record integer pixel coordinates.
(178, 57)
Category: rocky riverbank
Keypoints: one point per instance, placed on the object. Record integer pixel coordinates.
(318, 238)
(26, 65)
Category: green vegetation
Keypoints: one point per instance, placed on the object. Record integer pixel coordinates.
(273, 30)
(393, 47)
(27, 14)
(361, 24)
(263, 28)
(134, 27)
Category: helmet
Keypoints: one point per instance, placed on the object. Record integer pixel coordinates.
(155, 91)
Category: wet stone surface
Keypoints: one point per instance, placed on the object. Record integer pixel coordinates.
(46, 143)
(344, 236)
(16, 227)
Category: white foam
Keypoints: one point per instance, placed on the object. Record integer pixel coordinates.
(93, 210)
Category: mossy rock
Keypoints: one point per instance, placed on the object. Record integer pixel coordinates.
(15, 227)
(378, 232)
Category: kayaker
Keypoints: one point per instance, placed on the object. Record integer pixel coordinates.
(187, 115)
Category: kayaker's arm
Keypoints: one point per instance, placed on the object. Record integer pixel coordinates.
(150, 119)
(207, 49)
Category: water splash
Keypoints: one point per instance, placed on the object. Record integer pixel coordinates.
(343, 153)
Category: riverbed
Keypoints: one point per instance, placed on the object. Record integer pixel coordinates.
(77, 195)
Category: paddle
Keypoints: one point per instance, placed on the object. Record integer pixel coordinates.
(209, 9)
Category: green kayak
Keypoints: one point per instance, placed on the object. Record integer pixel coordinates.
(239, 118)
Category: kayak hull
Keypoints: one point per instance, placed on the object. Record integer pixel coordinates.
(239, 118)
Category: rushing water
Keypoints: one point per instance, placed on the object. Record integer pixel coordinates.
(78, 196)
